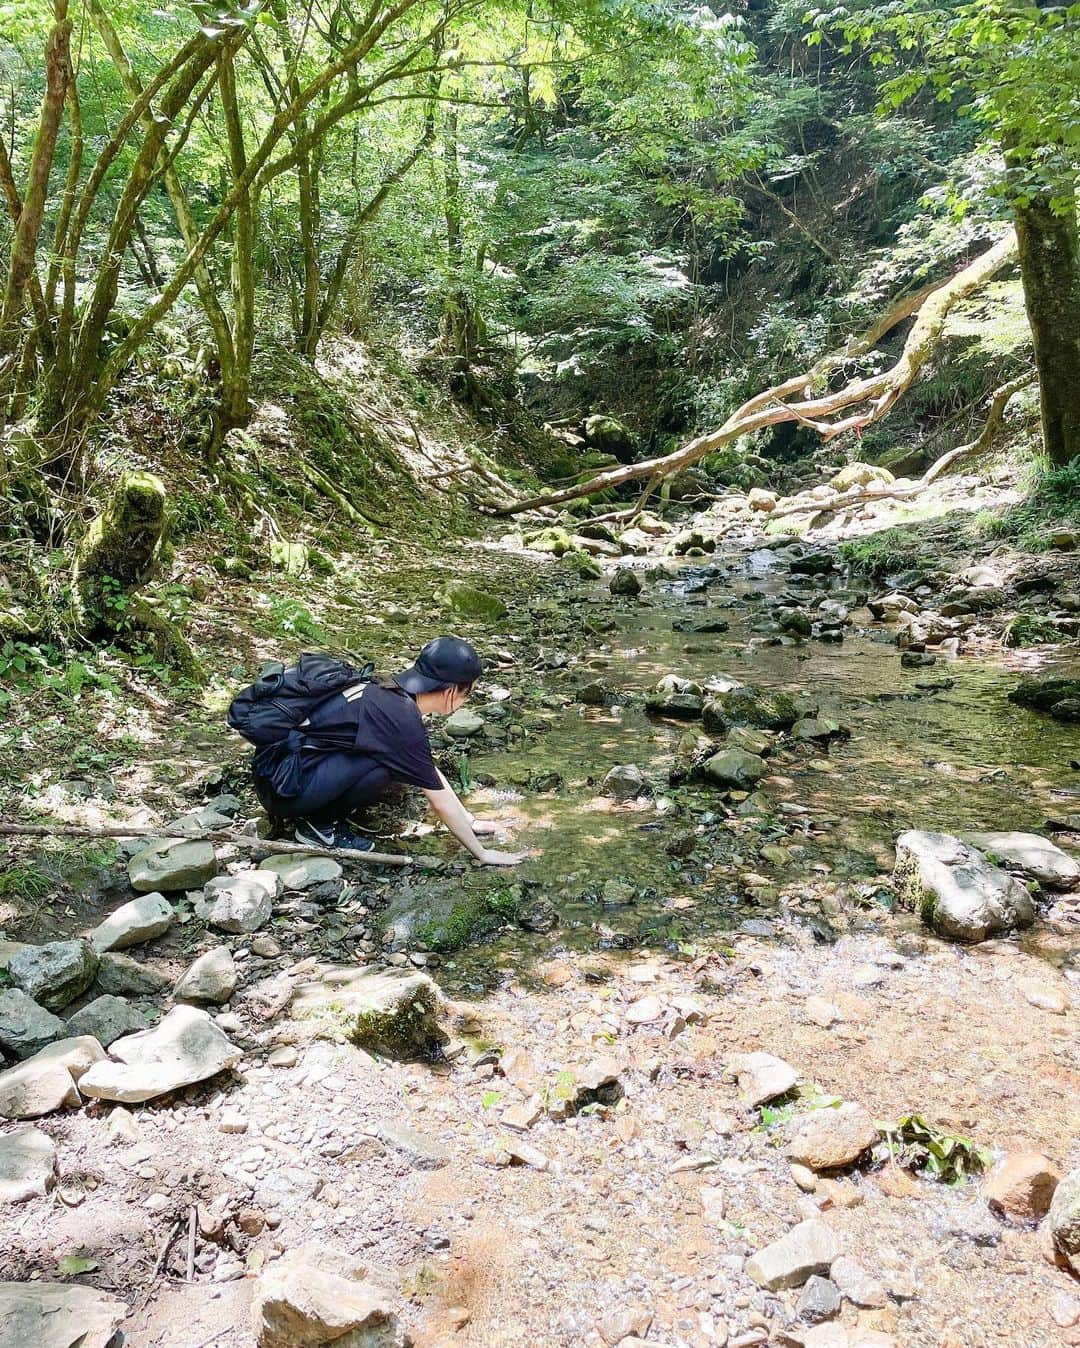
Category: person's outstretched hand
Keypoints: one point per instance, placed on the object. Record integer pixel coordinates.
(490, 858)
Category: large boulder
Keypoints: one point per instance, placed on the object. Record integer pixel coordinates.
(307, 1299)
(734, 768)
(58, 1315)
(1031, 855)
(26, 1027)
(395, 1013)
(956, 890)
(241, 902)
(171, 864)
(746, 705)
(27, 1165)
(212, 978)
(106, 1019)
(184, 1048)
(49, 1080)
(56, 973)
(133, 923)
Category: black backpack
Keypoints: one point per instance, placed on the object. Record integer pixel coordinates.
(270, 712)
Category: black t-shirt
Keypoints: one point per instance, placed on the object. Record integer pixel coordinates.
(388, 729)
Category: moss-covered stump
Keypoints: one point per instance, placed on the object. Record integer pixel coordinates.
(394, 1013)
(117, 555)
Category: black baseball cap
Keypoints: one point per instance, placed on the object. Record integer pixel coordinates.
(442, 662)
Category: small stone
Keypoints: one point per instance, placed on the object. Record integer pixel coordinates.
(1022, 1185)
(463, 724)
(212, 978)
(735, 768)
(521, 1117)
(54, 974)
(423, 1153)
(625, 583)
(644, 1011)
(27, 1166)
(265, 947)
(123, 1128)
(617, 1327)
(251, 1221)
(804, 1177)
(106, 1019)
(624, 782)
(395, 1013)
(763, 1077)
(857, 1285)
(521, 1153)
(232, 1121)
(830, 1138)
(1045, 996)
(819, 1300)
(285, 1056)
(822, 1012)
(1063, 1219)
(122, 976)
(143, 919)
(47, 1081)
(810, 1247)
(1065, 1310)
(25, 1027)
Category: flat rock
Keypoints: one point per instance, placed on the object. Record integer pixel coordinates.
(26, 1027)
(301, 872)
(1034, 856)
(300, 1302)
(827, 1139)
(142, 919)
(9, 948)
(212, 978)
(56, 973)
(184, 1048)
(1022, 1185)
(1046, 996)
(49, 1080)
(422, 1152)
(806, 1249)
(171, 864)
(392, 1012)
(954, 888)
(106, 1019)
(763, 1077)
(240, 903)
(27, 1165)
(57, 1315)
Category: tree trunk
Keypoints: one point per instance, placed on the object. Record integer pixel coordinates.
(1049, 253)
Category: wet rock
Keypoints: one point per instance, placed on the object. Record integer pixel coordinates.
(301, 872)
(763, 1077)
(746, 705)
(690, 540)
(760, 742)
(54, 974)
(830, 1138)
(916, 660)
(57, 1315)
(812, 564)
(807, 1249)
(819, 1300)
(956, 890)
(538, 914)
(184, 1048)
(734, 768)
(1063, 1220)
(625, 583)
(794, 622)
(1031, 855)
(554, 540)
(211, 978)
(133, 923)
(1059, 697)
(463, 724)
(857, 1285)
(124, 977)
(470, 602)
(172, 864)
(594, 694)
(27, 1165)
(242, 902)
(106, 1019)
(393, 1013)
(25, 1027)
(624, 782)
(49, 1080)
(1022, 1185)
(676, 697)
(818, 730)
(305, 1300)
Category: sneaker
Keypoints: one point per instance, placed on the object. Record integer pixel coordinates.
(332, 835)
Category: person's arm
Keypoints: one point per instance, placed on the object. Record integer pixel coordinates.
(460, 823)
(480, 827)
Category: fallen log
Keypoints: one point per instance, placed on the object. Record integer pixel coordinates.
(793, 400)
(223, 836)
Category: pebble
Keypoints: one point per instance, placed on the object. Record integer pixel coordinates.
(232, 1122)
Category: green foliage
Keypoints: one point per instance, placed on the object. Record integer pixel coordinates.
(290, 618)
(897, 549)
(918, 1145)
(1052, 503)
(26, 669)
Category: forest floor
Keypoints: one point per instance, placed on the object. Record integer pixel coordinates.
(685, 927)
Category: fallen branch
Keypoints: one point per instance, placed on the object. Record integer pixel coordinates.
(243, 842)
(852, 498)
(999, 400)
(865, 400)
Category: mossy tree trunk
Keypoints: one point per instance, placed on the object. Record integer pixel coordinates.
(1049, 254)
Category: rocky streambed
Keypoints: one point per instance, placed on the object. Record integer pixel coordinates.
(707, 1069)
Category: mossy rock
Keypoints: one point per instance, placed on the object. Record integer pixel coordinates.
(554, 540)
(392, 1013)
(119, 549)
(860, 475)
(588, 568)
(747, 705)
(471, 602)
(292, 558)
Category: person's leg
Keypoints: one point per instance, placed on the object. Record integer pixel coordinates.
(347, 790)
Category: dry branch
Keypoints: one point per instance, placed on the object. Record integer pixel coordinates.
(241, 841)
(864, 400)
(999, 400)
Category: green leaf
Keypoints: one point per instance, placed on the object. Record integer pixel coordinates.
(73, 1264)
